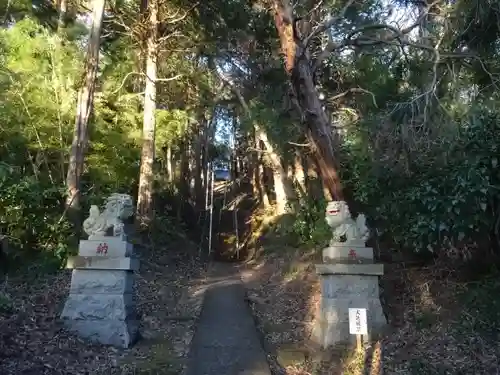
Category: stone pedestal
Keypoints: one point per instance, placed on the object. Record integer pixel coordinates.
(347, 253)
(100, 306)
(349, 279)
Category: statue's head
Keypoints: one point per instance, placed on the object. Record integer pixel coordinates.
(94, 211)
(336, 213)
(120, 205)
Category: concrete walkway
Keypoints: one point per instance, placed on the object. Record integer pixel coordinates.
(226, 340)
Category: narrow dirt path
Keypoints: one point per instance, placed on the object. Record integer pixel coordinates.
(226, 341)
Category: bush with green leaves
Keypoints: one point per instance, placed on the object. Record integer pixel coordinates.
(31, 215)
(308, 225)
(6, 304)
(446, 201)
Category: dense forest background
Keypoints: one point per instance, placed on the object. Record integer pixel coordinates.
(391, 105)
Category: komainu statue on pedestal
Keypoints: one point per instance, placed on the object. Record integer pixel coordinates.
(118, 207)
(344, 228)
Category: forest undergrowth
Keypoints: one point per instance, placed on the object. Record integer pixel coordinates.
(169, 288)
(440, 321)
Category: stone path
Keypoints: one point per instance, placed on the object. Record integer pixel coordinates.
(226, 340)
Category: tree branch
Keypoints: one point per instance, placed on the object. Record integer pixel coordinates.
(363, 40)
(354, 89)
(327, 23)
(169, 79)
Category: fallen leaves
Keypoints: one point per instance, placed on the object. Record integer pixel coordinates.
(33, 341)
(433, 329)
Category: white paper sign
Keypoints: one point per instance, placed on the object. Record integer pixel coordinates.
(358, 324)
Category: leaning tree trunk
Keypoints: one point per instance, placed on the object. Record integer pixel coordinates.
(146, 178)
(83, 111)
(299, 67)
(282, 185)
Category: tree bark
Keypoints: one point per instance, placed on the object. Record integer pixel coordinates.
(170, 166)
(282, 185)
(185, 176)
(262, 186)
(199, 159)
(83, 111)
(300, 175)
(257, 170)
(298, 66)
(62, 9)
(145, 210)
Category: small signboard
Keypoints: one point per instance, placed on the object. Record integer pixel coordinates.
(358, 324)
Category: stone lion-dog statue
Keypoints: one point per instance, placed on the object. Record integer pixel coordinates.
(118, 207)
(344, 228)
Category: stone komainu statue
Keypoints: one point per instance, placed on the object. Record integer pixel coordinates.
(118, 207)
(339, 219)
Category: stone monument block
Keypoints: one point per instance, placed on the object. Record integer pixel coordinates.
(345, 286)
(93, 281)
(110, 246)
(103, 263)
(348, 278)
(100, 306)
(341, 252)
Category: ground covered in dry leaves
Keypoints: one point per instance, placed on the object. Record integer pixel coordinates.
(170, 287)
(438, 324)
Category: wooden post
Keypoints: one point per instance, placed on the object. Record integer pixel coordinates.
(237, 235)
(359, 343)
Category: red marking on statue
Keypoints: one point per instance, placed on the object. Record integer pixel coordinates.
(352, 254)
(333, 212)
(102, 248)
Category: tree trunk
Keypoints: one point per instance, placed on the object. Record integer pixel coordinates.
(146, 178)
(198, 160)
(262, 186)
(184, 175)
(170, 166)
(259, 188)
(279, 190)
(300, 175)
(319, 133)
(83, 110)
(282, 186)
(62, 9)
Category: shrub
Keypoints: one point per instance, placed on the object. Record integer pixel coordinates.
(446, 201)
(31, 216)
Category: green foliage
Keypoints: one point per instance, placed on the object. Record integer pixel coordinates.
(447, 200)
(309, 226)
(166, 228)
(6, 304)
(171, 126)
(30, 215)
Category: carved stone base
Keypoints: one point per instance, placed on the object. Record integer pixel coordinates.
(341, 252)
(118, 333)
(342, 287)
(113, 246)
(100, 306)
